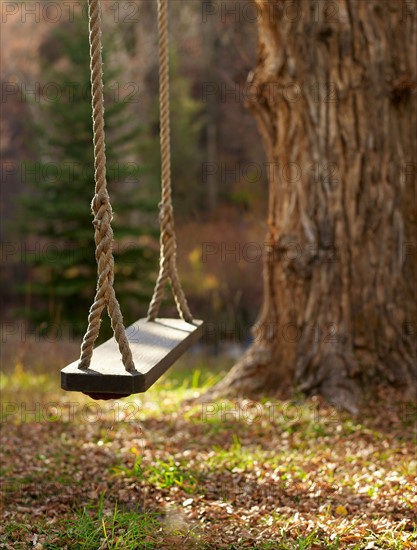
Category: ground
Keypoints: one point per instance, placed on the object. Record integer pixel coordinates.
(159, 471)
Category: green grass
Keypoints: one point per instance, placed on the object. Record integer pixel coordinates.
(390, 539)
(285, 473)
(95, 525)
(19, 386)
(162, 474)
(167, 474)
(306, 542)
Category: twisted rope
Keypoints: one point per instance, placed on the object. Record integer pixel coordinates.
(102, 211)
(168, 244)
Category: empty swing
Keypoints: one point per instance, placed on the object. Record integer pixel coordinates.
(134, 358)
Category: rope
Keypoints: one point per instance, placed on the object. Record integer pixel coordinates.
(102, 211)
(168, 244)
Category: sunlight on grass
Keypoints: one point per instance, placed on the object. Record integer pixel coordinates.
(162, 474)
(34, 391)
(235, 457)
(174, 471)
(105, 525)
(22, 381)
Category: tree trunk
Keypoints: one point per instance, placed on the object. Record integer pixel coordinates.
(334, 94)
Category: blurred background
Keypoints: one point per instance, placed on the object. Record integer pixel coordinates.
(218, 167)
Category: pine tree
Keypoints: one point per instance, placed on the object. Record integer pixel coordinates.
(55, 211)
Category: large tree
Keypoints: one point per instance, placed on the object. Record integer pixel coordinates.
(334, 94)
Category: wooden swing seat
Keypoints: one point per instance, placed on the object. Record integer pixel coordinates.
(155, 346)
(149, 346)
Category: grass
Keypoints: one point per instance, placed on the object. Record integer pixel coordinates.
(152, 472)
(94, 525)
(162, 474)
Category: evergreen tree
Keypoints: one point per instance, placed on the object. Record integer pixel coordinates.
(55, 211)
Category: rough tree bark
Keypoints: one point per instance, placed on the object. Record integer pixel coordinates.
(334, 94)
